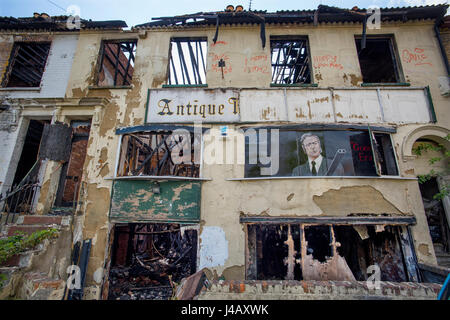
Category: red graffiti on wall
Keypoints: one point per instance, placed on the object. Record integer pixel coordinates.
(417, 57)
(219, 42)
(215, 63)
(327, 61)
(256, 64)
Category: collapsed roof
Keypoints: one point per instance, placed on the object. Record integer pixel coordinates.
(323, 13)
(56, 23)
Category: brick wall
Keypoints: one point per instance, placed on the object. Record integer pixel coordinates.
(318, 290)
(445, 36)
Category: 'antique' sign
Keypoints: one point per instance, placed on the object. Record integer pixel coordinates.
(192, 105)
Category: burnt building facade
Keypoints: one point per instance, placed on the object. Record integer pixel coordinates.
(254, 146)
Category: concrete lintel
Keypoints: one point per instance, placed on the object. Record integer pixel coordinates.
(354, 220)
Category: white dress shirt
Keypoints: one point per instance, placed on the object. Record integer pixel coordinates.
(318, 162)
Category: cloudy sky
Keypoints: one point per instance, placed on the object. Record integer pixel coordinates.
(140, 11)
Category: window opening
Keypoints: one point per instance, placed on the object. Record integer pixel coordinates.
(187, 64)
(117, 63)
(26, 64)
(377, 61)
(290, 61)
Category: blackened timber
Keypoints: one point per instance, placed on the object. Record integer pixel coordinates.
(130, 50)
(56, 142)
(183, 62)
(354, 220)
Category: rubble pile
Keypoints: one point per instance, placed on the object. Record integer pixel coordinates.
(153, 274)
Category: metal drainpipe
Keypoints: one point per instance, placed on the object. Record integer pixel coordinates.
(441, 46)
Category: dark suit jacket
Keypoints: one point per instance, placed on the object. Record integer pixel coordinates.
(303, 169)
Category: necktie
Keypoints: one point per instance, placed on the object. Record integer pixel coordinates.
(313, 170)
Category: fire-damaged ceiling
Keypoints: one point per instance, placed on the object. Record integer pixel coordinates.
(323, 13)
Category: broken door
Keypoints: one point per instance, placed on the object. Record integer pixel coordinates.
(72, 171)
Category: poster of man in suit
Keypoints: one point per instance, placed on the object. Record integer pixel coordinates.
(317, 163)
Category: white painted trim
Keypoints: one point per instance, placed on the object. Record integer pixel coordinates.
(119, 145)
(323, 177)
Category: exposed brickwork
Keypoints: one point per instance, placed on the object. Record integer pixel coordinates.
(445, 36)
(311, 290)
(35, 282)
(25, 229)
(30, 220)
(12, 262)
(76, 162)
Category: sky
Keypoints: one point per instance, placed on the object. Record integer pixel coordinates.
(135, 12)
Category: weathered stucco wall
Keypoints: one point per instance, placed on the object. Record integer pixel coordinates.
(57, 68)
(248, 65)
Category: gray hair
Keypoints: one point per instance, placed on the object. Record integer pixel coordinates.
(306, 135)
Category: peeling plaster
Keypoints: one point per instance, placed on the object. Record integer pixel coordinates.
(355, 199)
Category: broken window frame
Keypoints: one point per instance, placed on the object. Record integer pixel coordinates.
(125, 75)
(196, 69)
(34, 74)
(277, 64)
(379, 160)
(195, 168)
(401, 232)
(398, 73)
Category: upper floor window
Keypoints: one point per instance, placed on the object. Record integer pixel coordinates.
(187, 61)
(378, 60)
(26, 64)
(290, 60)
(116, 63)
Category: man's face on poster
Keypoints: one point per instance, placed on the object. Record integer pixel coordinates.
(311, 146)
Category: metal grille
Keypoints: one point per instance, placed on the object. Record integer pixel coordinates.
(19, 199)
(187, 61)
(26, 64)
(117, 63)
(290, 61)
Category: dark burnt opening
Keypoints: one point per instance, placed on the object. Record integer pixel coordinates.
(377, 60)
(318, 240)
(271, 251)
(274, 252)
(436, 218)
(30, 149)
(147, 259)
(382, 248)
(296, 236)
